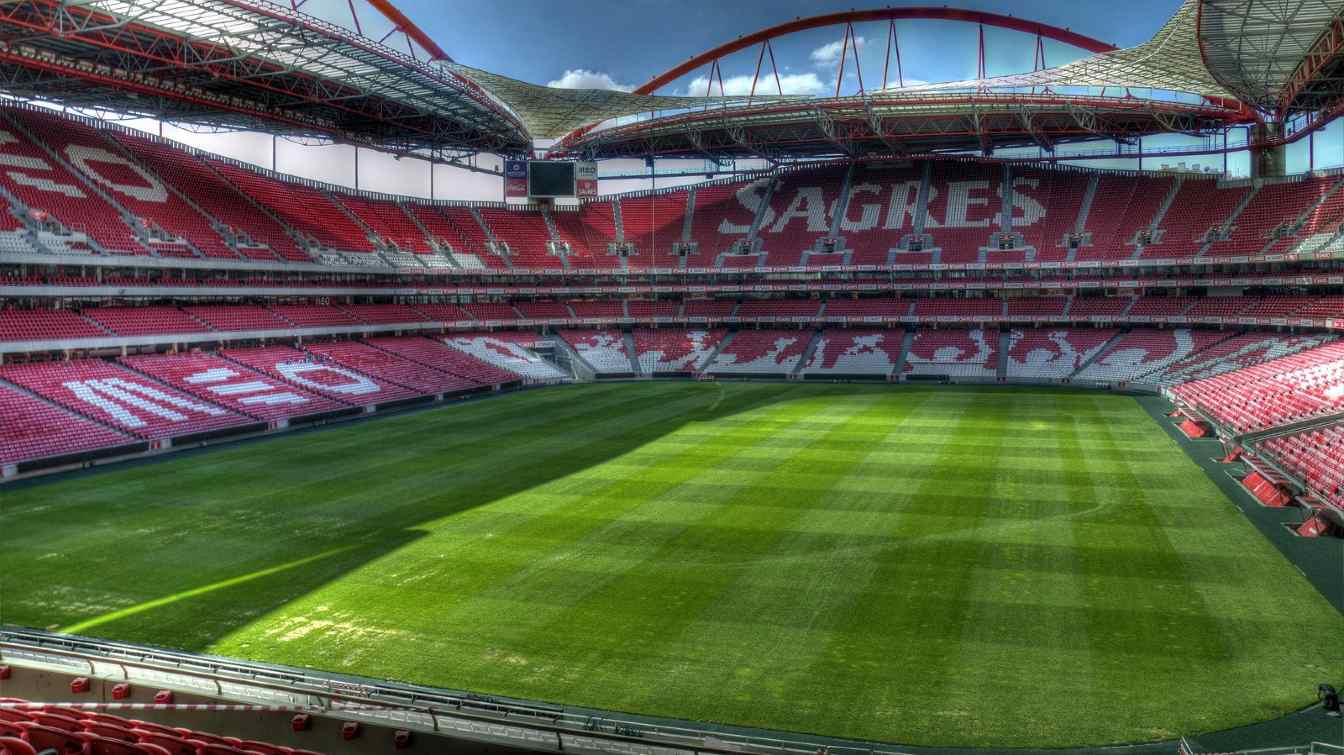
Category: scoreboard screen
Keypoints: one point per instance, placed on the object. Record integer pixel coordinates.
(550, 178)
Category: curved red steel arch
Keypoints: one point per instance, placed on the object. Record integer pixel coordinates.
(877, 14)
(408, 27)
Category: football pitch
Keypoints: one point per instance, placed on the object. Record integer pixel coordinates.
(923, 565)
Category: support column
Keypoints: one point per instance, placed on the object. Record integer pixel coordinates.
(1267, 162)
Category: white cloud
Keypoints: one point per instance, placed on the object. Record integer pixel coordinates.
(829, 54)
(793, 83)
(582, 78)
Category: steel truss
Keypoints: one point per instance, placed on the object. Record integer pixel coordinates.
(892, 124)
(244, 64)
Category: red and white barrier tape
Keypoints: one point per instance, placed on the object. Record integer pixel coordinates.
(31, 706)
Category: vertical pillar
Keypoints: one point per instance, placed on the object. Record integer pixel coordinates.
(1267, 161)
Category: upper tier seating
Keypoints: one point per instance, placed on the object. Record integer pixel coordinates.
(217, 197)
(526, 233)
(964, 208)
(761, 351)
(508, 351)
(1300, 386)
(223, 209)
(883, 202)
(120, 398)
(1139, 354)
(35, 429)
(1274, 205)
(674, 350)
(389, 367)
(799, 213)
(1050, 354)
(1198, 207)
(388, 220)
(653, 224)
(444, 358)
(957, 353)
(855, 352)
(311, 373)
(603, 350)
(456, 226)
(303, 209)
(723, 213)
(599, 221)
(584, 247)
(231, 385)
(141, 192)
(46, 186)
(1046, 204)
(1123, 206)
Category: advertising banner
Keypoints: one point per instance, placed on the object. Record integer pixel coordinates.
(585, 179)
(515, 179)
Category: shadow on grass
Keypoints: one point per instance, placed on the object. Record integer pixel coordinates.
(358, 491)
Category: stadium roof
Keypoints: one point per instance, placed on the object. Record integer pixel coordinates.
(1170, 62)
(255, 64)
(550, 113)
(1279, 57)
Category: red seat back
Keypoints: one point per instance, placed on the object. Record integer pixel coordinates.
(104, 746)
(45, 737)
(15, 746)
(56, 721)
(175, 745)
(110, 731)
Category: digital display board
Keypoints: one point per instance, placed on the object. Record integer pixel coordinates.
(550, 178)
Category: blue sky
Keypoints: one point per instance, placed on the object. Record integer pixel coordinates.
(623, 43)
(633, 40)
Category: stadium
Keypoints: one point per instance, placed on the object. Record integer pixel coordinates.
(359, 394)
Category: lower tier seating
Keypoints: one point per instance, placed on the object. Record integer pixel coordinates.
(389, 367)
(508, 351)
(444, 358)
(37, 429)
(1049, 354)
(1290, 389)
(956, 353)
(119, 398)
(603, 350)
(63, 730)
(761, 351)
(855, 352)
(313, 373)
(1139, 355)
(232, 385)
(1316, 457)
(674, 350)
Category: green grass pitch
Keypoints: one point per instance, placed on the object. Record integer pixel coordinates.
(936, 565)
